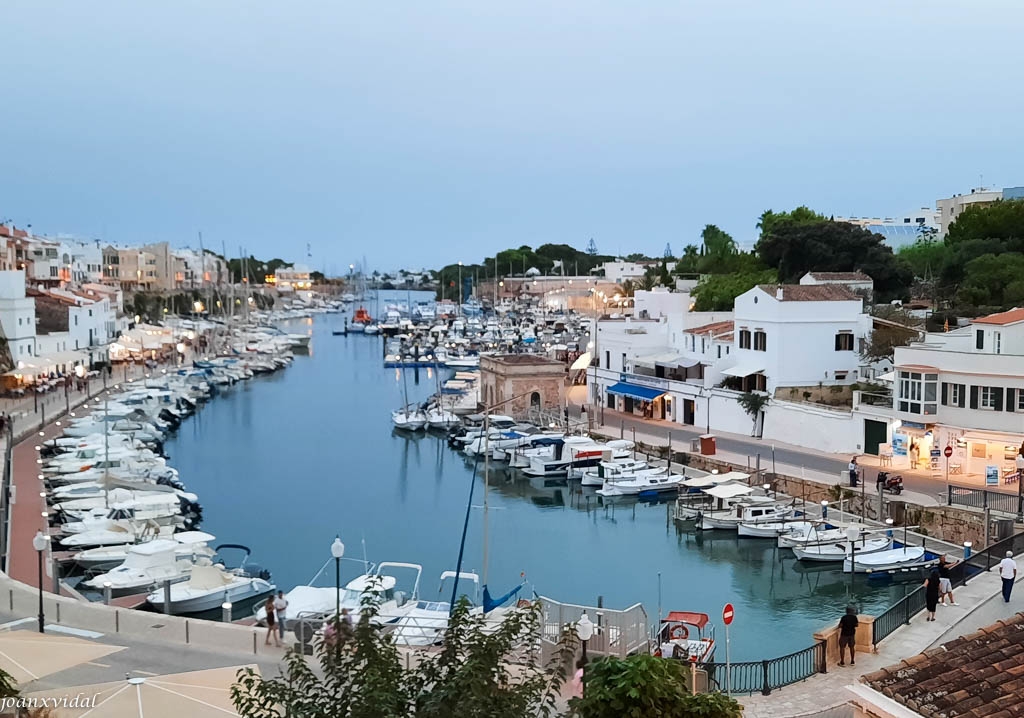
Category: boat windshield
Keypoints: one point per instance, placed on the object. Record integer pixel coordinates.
(352, 597)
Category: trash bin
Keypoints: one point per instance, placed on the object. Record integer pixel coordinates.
(707, 445)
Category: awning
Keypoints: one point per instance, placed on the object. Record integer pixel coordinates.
(50, 361)
(888, 377)
(582, 362)
(669, 359)
(637, 392)
(743, 369)
(728, 491)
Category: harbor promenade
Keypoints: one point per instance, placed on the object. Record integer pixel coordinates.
(980, 604)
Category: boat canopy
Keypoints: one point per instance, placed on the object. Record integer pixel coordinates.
(731, 476)
(582, 362)
(728, 491)
(694, 619)
(635, 391)
(372, 583)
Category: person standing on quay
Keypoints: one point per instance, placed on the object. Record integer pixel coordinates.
(281, 608)
(931, 593)
(945, 583)
(1008, 572)
(271, 623)
(848, 635)
(853, 471)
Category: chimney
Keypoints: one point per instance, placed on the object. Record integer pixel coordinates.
(778, 292)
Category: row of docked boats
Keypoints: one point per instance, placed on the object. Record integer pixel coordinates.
(124, 519)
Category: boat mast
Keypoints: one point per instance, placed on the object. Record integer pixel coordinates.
(487, 483)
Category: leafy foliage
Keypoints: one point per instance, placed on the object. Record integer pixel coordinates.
(752, 402)
(646, 687)
(475, 675)
(717, 292)
(796, 247)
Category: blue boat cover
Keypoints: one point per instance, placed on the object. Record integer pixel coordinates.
(490, 604)
(635, 391)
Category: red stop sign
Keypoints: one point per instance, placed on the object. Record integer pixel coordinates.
(727, 614)
(947, 452)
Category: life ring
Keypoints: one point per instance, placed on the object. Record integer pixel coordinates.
(680, 632)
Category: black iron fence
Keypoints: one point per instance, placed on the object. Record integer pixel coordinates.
(984, 499)
(767, 675)
(902, 611)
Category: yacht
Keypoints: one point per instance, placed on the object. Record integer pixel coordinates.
(189, 544)
(766, 511)
(575, 452)
(895, 559)
(655, 481)
(839, 551)
(146, 565)
(208, 587)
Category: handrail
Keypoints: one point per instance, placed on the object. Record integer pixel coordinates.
(767, 675)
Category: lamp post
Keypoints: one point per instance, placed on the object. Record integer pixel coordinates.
(39, 542)
(337, 551)
(824, 510)
(460, 288)
(852, 532)
(585, 630)
(767, 489)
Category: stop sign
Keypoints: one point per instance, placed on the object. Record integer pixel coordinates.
(947, 452)
(727, 614)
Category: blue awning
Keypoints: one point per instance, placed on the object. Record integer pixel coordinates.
(637, 392)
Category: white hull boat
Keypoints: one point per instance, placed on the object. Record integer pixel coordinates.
(730, 520)
(840, 551)
(896, 559)
(207, 588)
(770, 529)
(653, 482)
(408, 420)
(190, 545)
(814, 535)
(146, 566)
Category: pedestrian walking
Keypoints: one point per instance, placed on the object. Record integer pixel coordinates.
(853, 471)
(1008, 572)
(271, 622)
(915, 454)
(848, 635)
(931, 593)
(577, 678)
(1020, 465)
(945, 583)
(281, 608)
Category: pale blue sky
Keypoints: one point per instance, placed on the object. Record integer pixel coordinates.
(427, 132)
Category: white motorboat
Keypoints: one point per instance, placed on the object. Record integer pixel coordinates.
(411, 420)
(190, 544)
(112, 532)
(311, 601)
(894, 559)
(654, 481)
(816, 534)
(438, 418)
(508, 439)
(575, 452)
(614, 470)
(770, 529)
(757, 510)
(687, 636)
(840, 551)
(208, 587)
(146, 565)
(621, 452)
(425, 623)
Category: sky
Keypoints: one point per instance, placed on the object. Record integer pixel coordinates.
(425, 133)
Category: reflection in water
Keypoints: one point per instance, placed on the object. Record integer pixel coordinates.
(311, 452)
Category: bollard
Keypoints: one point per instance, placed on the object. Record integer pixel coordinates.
(117, 621)
(186, 631)
(56, 577)
(108, 591)
(253, 642)
(167, 596)
(225, 612)
(58, 610)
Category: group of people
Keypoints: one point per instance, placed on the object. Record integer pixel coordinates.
(277, 611)
(937, 587)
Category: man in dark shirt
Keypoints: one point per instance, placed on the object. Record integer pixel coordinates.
(848, 635)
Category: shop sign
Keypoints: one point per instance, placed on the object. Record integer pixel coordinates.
(650, 381)
(992, 476)
(914, 425)
(899, 444)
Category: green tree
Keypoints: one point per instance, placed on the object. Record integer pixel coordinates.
(795, 248)
(993, 281)
(716, 243)
(687, 263)
(646, 687)
(927, 256)
(475, 675)
(1000, 220)
(718, 292)
(801, 215)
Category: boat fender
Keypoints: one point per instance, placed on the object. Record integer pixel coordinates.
(680, 632)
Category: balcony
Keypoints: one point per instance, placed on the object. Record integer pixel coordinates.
(878, 400)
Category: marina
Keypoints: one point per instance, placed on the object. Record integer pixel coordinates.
(256, 458)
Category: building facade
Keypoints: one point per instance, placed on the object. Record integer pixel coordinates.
(515, 384)
(17, 316)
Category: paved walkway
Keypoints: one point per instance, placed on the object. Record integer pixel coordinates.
(977, 608)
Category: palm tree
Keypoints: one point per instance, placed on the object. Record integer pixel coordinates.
(717, 243)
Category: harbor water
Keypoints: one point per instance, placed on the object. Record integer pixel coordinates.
(285, 462)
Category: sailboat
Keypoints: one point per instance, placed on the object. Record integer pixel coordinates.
(409, 416)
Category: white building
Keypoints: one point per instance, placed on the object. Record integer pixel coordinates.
(792, 335)
(17, 315)
(290, 279)
(963, 389)
(950, 208)
(621, 270)
(81, 261)
(901, 230)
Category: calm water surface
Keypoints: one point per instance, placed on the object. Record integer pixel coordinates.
(285, 462)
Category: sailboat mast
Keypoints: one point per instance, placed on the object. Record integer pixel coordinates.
(487, 476)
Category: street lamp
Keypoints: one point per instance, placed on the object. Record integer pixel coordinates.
(337, 551)
(824, 510)
(767, 488)
(39, 542)
(585, 631)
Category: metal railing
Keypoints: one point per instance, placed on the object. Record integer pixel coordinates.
(984, 499)
(900, 613)
(617, 632)
(767, 675)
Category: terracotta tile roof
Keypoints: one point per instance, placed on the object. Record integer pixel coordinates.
(841, 276)
(980, 674)
(810, 292)
(1002, 318)
(714, 328)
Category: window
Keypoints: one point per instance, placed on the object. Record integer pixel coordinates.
(1020, 400)
(53, 271)
(844, 342)
(719, 351)
(760, 341)
(90, 312)
(76, 320)
(744, 339)
(623, 361)
(988, 397)
(979, 339)
(918, 393)
(702, 345)
(607, 360)
(840, 376)
(919, 220)
(956, 394)
(997, 340)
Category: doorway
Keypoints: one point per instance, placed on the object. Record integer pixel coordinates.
(874, 435)
(688, 411)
